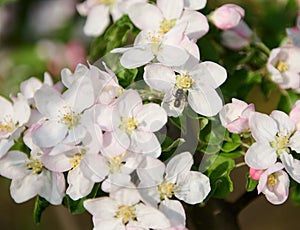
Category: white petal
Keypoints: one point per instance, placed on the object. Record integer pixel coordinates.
(97, 20)
(263, 127)
(211, 73)
(94, 167)
(170, 9)
(79, 185)
(172, 56)
(193, 187)
(205, 101)
(174, 211)
(126, 196)
(49, 134)
(13, 165)
(103, 207)
(151, 171)
(260, 156)
(146, 215)
(57, 163)
(194, 4)
(292, 166)
(141, 20)
(128, 102)
(284, 123)
(295, 142)
(151, 118)
(6, 107)
(178, 164)
(136, 57)
(145, 143)
(21, 110)
(159, 77)
(48, 101)
(5, 145)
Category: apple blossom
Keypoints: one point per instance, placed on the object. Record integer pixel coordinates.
(275, 135)
(30, 178)
(168, 14)
(133, 124)
(294, 33)
(274, 183)
(235, 116)
(283, 66)
(98, 13)
(227, 16)
(237, 37)
(255, 174)
(160, 182)
(295, 114)
(122, 210)
(13, 117)
(198, 79)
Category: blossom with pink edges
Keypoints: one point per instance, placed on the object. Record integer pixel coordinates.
(235, 116)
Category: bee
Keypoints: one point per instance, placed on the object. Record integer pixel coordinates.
(179, 97)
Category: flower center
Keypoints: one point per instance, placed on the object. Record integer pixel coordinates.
(35, 165)
(75, 160)
(126, 213)
(166, 189)
(69, 118)
(282, 66)
(115, 164)
(272, 180)
(280, 143)
(129, 124)
(184, 81)
(7, 125)
(166, 25)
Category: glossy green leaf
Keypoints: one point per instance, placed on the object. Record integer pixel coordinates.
(39, 207)
(251, 184)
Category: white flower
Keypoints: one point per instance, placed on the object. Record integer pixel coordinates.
(160, 182)
(198, 79)
(123, 210)
(98, 13)
(133, 124)
(275, 135)
(31, 178)
(13, 117)
(274, 183)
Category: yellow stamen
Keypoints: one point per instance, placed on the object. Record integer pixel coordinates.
(126, 213)
(69, 117)
(7, 125)
(281, 143)
(129, 124)
(184, 81)
(107, 2)
(272, 180)
(75, 161)
(166, 25)
(282, 66)
(115, 163)
(166, 190)
(35, 165)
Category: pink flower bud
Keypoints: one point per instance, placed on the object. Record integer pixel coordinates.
(255, 174)
(227, 16)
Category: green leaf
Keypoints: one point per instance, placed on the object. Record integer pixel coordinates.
(126, 76)
(173, 145)
(287, 101)
(39, 206)
(251, 184)
(218, 172)
(233, 155)
(295, 195)
(230, 146)
(76, 206)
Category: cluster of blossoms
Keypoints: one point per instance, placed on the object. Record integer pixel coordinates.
(272, 156)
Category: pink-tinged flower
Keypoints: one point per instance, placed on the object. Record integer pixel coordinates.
(237, 37)
(98, 13)
(274, 183)
(235, 116)
(275, 136)
(30, 178)
(198, 79)
(227, 16)
(159, 182)
(13, 117)
(63, 113)
(133, 124)
(295, 114)
(123, 210)
(294, 33)
(255, 174)
(167, 15)
(149, 46)
(283, 65)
